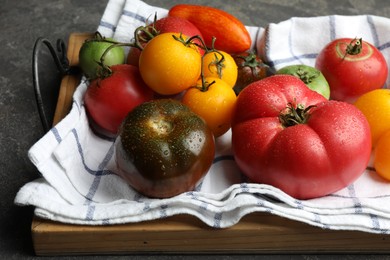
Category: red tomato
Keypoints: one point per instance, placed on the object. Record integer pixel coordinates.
(109, 100)
(352, 67)
(230, 33)
(291, 137)
(164, 25)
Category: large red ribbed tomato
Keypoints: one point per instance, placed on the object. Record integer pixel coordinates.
(288, 136)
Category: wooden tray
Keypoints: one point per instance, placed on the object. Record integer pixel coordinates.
(255, 233)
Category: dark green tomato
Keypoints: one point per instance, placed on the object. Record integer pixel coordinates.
(91, 52)
(312, 77)
(163, 148)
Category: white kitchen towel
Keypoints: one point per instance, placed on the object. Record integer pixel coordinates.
(78, 184)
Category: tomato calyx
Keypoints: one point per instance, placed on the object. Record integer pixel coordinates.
(354, 47)
(292, 115)
(250, 61)
(307, 76)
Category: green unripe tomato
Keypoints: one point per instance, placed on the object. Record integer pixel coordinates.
(91, 52)
(312, 77)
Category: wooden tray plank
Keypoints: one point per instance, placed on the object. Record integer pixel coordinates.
(255, 233)
(69, 82)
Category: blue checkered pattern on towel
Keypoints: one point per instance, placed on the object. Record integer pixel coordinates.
(78, 185)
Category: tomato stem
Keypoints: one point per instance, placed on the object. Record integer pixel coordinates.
(354, 47)
(295, 115)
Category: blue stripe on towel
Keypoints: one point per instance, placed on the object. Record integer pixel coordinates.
(332, 27)
(163, 211)
(90, 212)
(356, 201)
(56, 134)
(290, 59)
(217, 220)
(107, 25)
(223, 158)
(134, 15)
(80, 150)
(373, 30)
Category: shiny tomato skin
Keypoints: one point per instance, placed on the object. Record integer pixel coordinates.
(230, 33)
(250, 68)
(168, 66)
(91, 52)
(351, 75)
(165, 25)
(108, 100)
(312, 77)
(220, 64)
(308, 160)
(215, 105)
(163, 148)
(179, 25)
(382, 155)
(375, 105)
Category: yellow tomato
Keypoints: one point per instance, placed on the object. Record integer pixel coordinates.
(214, 102)
(375, 105)
(220, 66)
(382, 156)
(168, 65)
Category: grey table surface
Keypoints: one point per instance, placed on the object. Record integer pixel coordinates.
(22, 22)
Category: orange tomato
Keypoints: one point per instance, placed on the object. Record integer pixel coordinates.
(215, 103)
(375, 105)
(382, 156)
(221, 65)
(168, 65)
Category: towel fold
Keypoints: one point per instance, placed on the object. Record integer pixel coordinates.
(78, 184)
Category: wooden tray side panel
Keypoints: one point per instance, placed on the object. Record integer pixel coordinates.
(69, 82)
(255, 233)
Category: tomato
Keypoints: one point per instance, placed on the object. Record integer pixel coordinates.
(230, 33)
(352, 67)
(108, 100)
(163, 148)
(133, 56)
(288, 136)
(165, 25)
(169, 65)
(312, 77)
(220, 64)
(214, 101)
(91, 52)
(382, 155)
(375, 105)
(250, 69)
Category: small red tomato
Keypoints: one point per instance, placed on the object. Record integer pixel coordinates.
(108, 100)
(352, 67)
(250, 69)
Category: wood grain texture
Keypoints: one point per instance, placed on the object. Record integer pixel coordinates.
(255, 233)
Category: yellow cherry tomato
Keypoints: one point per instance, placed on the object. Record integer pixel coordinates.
(382, 156)
(375, 105)
(221, 65)
(214, 101)
(169, 65)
